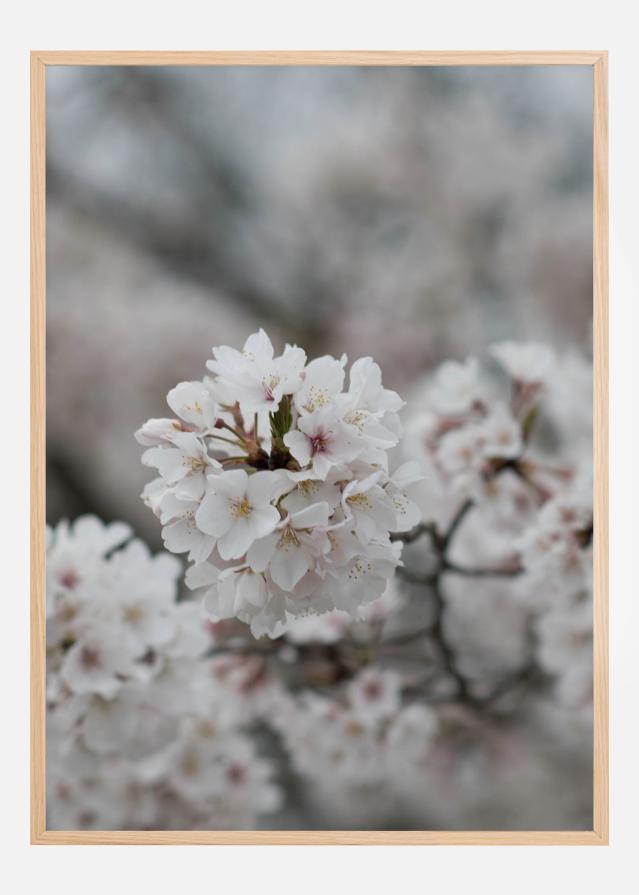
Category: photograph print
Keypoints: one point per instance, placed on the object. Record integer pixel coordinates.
(319, 448)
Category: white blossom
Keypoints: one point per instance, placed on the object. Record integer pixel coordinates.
(278, 479)
(253, 377)
(237, 510)
(518, 453)
(290, 551)
(455, 387)
(97, 662)
(140, 733)
(322, 441)
(525, 362)
(185, 464)
(360, 739)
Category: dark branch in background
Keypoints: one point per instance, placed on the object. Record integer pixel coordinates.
(416, 533)
(348, 655)
(472, 572)
(441, 544)
(458, 518)
(447, 654)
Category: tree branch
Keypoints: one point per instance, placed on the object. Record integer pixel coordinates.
(478, 572)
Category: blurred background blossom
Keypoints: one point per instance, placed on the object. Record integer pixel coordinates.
(412, 214)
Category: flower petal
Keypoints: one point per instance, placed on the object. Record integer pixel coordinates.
(316, 514)
(214, 515)
(288, 566)
(260, 552)
(236, 541)
(261, 487)
(262, 521)
(230, 484)
(299, 446)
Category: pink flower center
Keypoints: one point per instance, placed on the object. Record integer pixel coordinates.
(70, 579)
(372, 690)
(89, 658)
(268, 385)
(319, 443)
(236, 773)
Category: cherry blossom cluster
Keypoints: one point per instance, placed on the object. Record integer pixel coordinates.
(557, 556)
(506, 448)
(140, 732)
(331, 627)
(274, 479)
(365, 740)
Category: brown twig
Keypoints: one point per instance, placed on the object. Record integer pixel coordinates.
(478, 572)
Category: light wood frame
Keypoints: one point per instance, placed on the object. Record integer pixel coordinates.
(598, 61)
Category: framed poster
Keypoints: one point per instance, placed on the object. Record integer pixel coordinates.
(323, 554)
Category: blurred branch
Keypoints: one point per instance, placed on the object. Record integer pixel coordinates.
(447, 654)
(441, 543)
(478, 572)
(457, 520)
(407, 537)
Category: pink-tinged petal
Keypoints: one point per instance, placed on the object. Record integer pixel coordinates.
(214, 515)
(288, 567)
(299, 446)
(261, 551)
(253, 398)
(261, 487)
(316, 514)
(262, 521)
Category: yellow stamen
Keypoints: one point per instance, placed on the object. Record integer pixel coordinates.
(360, 500)
(240, 507)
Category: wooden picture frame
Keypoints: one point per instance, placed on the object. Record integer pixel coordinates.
(598, 61)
